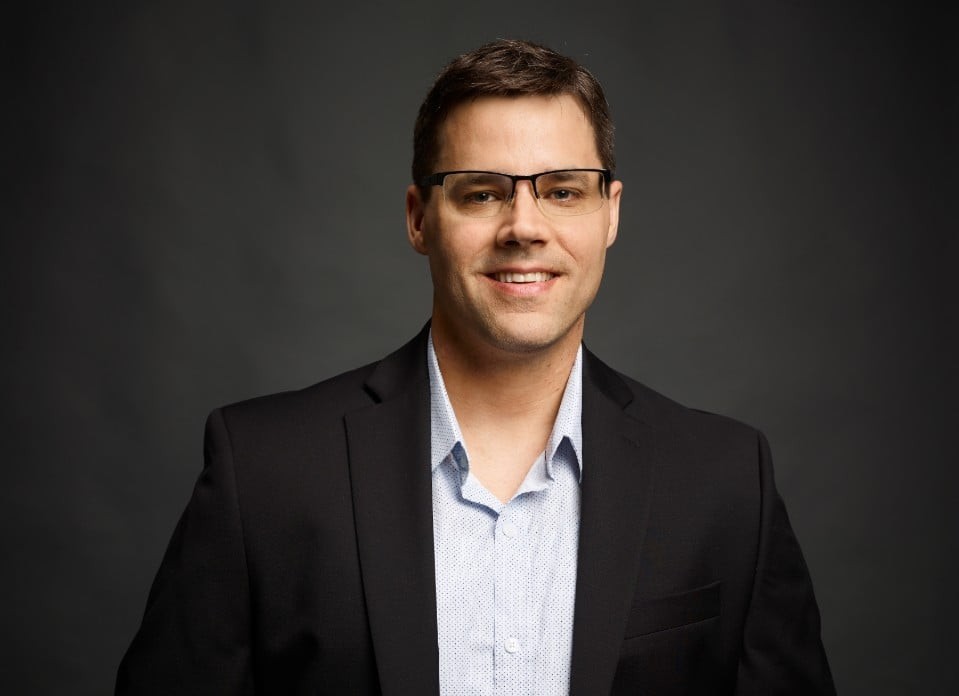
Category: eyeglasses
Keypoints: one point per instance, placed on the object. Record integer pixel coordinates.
(561, 193)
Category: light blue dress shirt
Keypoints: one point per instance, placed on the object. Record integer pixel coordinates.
(505, 573)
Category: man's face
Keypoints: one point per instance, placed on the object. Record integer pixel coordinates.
(519, 281)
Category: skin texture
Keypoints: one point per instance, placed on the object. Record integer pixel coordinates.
(506, 349)
(489, 319)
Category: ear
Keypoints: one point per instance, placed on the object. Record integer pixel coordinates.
(615, 191)
(415, 211)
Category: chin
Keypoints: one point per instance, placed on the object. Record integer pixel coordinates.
(527, 339)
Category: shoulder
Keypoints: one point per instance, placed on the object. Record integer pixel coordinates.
(326, 402)
(667, 416)
(720, 462)
(272, 442)
(331, 397)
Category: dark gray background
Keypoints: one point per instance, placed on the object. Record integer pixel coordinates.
(205, 203)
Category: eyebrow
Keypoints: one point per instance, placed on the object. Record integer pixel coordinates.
(483, 176)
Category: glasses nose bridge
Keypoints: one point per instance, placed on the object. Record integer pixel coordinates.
(510, 205)
(531, 178)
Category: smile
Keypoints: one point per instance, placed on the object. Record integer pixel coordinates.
(536, 277)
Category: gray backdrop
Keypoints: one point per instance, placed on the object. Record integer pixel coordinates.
(205, 203)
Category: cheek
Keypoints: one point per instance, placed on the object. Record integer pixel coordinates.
(591, 256)
(454, 248)
(592, 264)
(448, 266)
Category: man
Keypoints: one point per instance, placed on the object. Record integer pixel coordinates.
(490, 509)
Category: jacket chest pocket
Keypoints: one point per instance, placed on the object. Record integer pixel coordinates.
(671, 646)
(672, 611)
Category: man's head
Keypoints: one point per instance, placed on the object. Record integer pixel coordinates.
(508, 68)
(513, 202)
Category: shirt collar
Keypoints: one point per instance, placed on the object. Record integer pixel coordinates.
(446, 439)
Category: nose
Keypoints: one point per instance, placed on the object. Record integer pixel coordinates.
(523, 223)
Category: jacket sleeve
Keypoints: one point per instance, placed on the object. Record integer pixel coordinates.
(782, 651)
(195, 634)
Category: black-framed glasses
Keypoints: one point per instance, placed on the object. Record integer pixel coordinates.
(558, 193)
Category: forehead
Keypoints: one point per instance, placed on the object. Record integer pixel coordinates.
(518, 135)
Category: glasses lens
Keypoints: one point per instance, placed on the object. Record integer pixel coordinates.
(570, 192)
(561, 194)
(477, 194)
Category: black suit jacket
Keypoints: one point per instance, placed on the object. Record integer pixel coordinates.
(303, 563)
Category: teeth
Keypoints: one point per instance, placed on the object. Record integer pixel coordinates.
(537, 277)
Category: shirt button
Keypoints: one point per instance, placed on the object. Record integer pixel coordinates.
(511, 645)
(509, 529)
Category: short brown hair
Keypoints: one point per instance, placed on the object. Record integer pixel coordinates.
(508, 68)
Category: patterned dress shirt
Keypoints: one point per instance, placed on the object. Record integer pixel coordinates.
(505, 572)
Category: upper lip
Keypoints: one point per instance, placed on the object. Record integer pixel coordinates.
(522, 269)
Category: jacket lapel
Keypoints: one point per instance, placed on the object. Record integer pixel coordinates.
(389, 450)
(619, 455)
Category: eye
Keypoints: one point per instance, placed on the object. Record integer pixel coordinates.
(476, 190)
(562, 195)
(480, 197)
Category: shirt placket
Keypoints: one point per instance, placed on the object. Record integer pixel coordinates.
(511, 557)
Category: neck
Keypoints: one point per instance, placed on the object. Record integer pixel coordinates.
(492, 383)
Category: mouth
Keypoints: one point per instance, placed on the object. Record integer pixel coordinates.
(534, 277)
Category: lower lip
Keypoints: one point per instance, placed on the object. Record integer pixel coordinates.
(523, 289)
